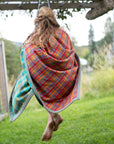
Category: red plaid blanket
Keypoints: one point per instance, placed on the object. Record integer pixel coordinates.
(54, 71)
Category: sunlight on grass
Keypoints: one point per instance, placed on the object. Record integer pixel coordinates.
(87, 121)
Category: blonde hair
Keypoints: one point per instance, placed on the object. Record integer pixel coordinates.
(45, 25)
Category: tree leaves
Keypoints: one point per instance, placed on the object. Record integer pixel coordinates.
(12, 54)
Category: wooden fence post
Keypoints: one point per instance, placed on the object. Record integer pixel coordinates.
(3, 79)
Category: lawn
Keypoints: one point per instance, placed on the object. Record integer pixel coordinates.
(87, 121)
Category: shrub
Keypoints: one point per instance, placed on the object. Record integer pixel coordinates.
(98, 82)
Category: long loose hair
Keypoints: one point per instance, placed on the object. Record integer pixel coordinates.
(45, 25)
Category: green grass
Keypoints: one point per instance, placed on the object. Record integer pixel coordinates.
(87, 121)
(98, 84)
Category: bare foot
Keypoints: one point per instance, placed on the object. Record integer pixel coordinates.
(54, 121)
(48, 131)
(57, 121)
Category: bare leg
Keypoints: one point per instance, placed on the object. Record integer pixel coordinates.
(54, 120)
(49, 129)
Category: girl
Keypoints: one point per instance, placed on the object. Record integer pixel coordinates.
(51, 71)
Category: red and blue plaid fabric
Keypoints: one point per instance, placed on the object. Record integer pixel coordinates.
(54, 71)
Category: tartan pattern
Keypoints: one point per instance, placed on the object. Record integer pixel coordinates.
(54, 71)
(51, 73)
(20, 96)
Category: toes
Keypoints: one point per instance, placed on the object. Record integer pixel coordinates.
(48, 132)
(45, 138)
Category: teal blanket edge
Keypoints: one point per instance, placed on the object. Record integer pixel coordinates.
(30, 91)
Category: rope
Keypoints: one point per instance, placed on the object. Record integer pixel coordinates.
(48, 3)
(39, 5)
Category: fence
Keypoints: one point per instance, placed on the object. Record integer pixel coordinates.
(3, 81)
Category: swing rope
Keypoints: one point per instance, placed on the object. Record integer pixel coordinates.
(39, 5)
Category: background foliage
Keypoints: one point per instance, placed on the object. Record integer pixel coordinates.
(12, 53)
(98, 51)
(87, 121)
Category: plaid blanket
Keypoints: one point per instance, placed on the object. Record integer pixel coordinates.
(20, 96)
(51, 73)
(21, 93)
(55, 71)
